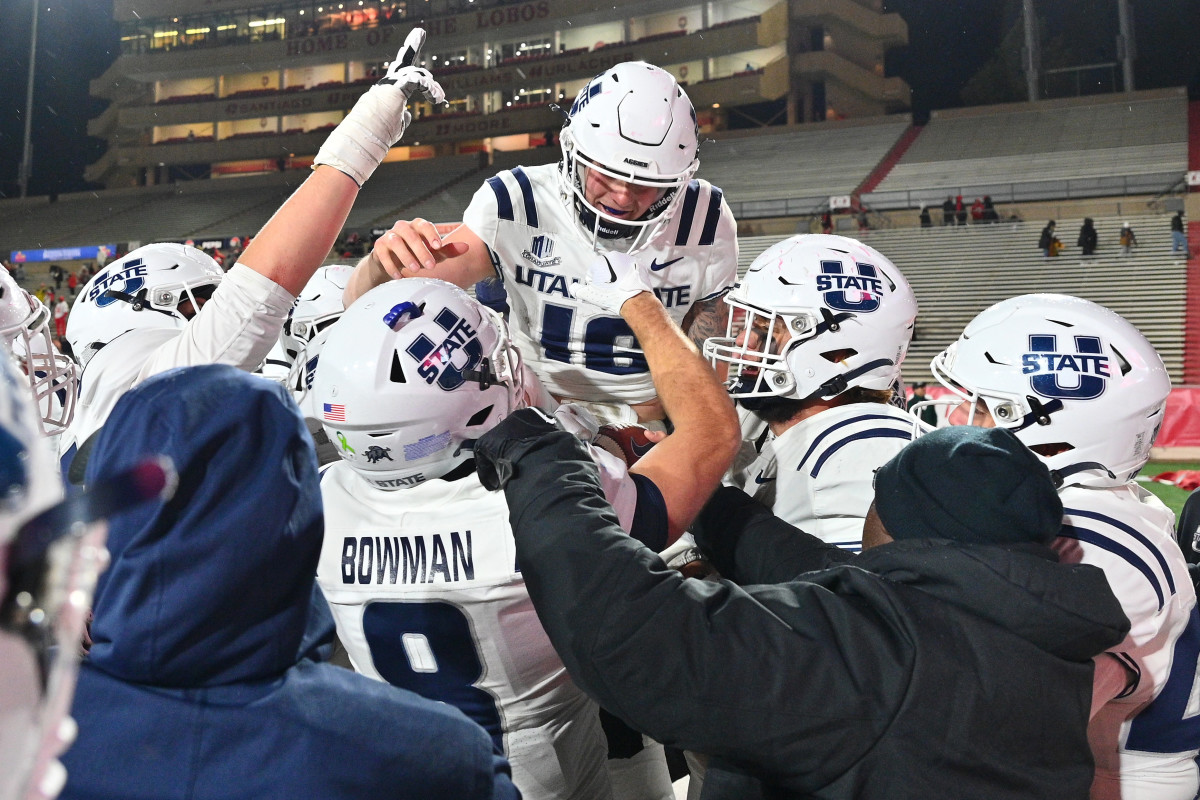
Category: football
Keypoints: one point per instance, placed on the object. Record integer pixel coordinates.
(625, 441)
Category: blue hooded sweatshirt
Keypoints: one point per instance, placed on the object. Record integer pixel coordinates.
(197, 685)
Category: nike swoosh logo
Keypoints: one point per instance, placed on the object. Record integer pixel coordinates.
(640, 450)
(655, 266)
(759, 479)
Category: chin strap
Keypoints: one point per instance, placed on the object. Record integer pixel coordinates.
(840, 383)
(485, 376)
(138, 301)
(1039, 413)
(1059, 476)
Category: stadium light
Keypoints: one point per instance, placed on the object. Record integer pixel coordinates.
(27, 153)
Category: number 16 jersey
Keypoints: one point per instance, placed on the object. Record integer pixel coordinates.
(539, 250)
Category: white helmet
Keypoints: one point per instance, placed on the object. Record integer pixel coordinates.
(410, 376)
(142, 290)
(25, 332)
(1073, 380)
(832, 314)
(633, 123)
(318, 306)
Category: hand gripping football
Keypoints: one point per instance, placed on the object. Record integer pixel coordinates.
(625, 441)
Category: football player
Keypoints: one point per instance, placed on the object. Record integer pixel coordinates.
(1083, 389)
(418, 562)
(818, 330)
(167, 305)
(25, 332)
(625, 183)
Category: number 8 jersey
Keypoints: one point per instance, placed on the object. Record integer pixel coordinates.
(427, 595)
(539, 249)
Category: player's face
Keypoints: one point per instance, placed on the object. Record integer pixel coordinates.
(961, 415)
(618, 198)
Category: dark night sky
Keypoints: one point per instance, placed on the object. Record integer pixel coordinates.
(949, 40)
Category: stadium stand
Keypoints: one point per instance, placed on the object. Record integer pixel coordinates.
(794, 171)
(448, 202)
(957, 272)
(1089, 147)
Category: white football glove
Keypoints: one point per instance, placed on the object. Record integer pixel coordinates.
(358, 145)
(612, 279)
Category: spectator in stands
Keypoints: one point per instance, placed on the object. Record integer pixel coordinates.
(1088, 238)
(977, 211)
(40, 294)
(864, 224)
(1056, 246)
(926, 220)
(927, 414)
(72, 283)
(948, 211)
(1178, 237)
(1047, 239)
(61, 309)
(960, 211)
(989, 210)
(1128, 239)
(827, 223)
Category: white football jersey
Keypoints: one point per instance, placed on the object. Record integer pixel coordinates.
(427, 594)
(819, 474)
(539, 249)
(237, 327)
(1145, 741)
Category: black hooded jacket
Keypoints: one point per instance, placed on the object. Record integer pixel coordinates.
(920, 669)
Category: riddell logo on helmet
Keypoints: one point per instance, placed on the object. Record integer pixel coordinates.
(446, 361)
(1082, 375)
(128, 278)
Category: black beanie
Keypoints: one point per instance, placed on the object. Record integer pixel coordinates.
(969, 484)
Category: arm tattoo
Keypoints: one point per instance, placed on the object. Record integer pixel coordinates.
(706, 318)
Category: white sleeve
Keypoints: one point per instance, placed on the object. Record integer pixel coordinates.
(237, 326)
(619, 488)
(482, 216)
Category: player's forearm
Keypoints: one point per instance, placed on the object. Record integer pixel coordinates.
(690, 393)
(296, 240)
(368, 274)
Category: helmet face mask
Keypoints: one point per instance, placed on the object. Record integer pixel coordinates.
(410, 376)
(840, 316)
(52, 377)
(1075, 382)
(632, 124)
(156, 286)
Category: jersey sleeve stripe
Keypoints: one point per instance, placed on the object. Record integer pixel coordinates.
(825, 433)
(1105, 543)
(504, 207)
(873, 433)
(1132, 531)
(531, 217)
(709, 234)
(690, 198)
